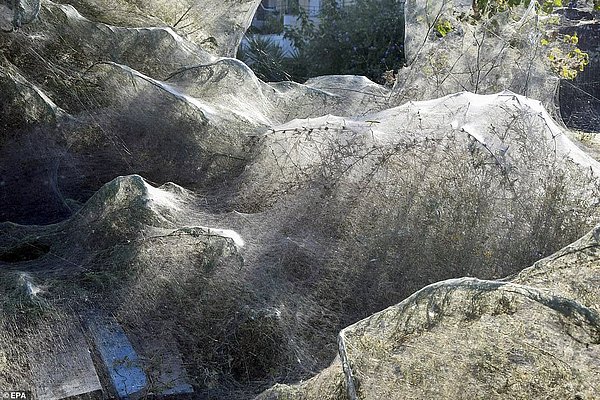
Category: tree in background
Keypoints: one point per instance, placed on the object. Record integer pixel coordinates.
(365, 38)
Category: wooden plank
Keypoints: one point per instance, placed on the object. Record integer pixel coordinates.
(122, 363)
(163, 363)
(62, 367)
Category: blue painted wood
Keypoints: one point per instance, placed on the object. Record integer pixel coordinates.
(172, 377)
(163, 366)
(118, 355)
(180, 388)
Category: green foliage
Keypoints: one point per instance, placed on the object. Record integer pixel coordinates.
(366, 38)
(566, 59)
(443, 27)
(266, 59)
(270, 63)
(293, 7)
(273, 24)
(492, 7)
(549, 5)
